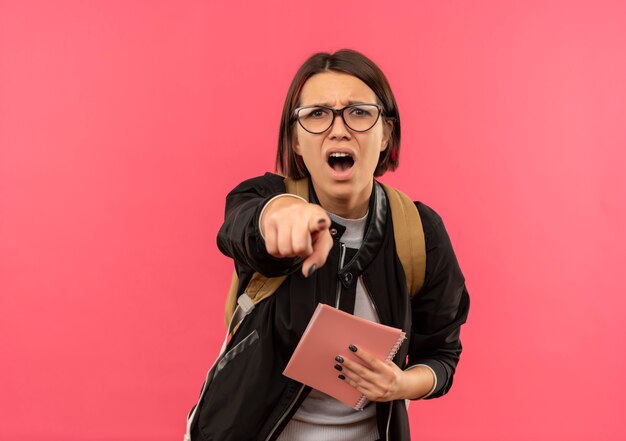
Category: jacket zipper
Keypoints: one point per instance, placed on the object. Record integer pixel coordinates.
(282, 417)
(365, 288)
(367, 291)
(342, 256)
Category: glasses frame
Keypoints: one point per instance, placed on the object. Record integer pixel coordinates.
(337, 112)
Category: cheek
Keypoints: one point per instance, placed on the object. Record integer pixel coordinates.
(303, 143)
(375, 144)
(307, 146)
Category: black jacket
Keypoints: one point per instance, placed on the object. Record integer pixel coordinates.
(249, 398)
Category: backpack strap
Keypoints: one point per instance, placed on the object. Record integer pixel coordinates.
(299, 187)
(261, 287)
(409, 238)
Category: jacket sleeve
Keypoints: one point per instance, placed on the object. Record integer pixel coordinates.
(240, 237)
(440, 308)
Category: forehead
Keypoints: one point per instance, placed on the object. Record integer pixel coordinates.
(334, 89)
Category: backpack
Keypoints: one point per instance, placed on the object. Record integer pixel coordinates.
(410, 247)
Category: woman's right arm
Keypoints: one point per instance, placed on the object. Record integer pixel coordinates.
(270, 235)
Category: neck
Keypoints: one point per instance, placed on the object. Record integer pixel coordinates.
(350, 206)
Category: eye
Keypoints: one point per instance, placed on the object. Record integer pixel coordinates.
(361, 111)
(314, 113)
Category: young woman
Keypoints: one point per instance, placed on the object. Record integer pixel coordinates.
(340, 128)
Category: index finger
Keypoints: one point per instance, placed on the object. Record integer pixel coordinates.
(319, 219)
(369, 360)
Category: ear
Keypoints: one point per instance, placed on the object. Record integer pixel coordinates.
(294, 143)
(387, 129)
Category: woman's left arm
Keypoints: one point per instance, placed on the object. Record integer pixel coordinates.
(438, 311)
(440, 308)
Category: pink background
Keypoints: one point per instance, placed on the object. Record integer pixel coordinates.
(123, 125)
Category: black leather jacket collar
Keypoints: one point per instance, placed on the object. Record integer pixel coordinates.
(372, 238)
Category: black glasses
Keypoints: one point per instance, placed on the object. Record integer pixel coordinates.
(357, 117)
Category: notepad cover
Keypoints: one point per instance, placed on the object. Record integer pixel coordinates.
(328, 334)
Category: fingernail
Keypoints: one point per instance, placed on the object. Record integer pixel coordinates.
(321, 221)
(352, 348)
(312, 270)
(341, 377)
(339, 358)
(339, 368)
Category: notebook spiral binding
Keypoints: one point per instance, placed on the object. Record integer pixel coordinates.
(362, 401)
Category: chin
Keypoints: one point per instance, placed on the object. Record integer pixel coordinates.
(345, 189)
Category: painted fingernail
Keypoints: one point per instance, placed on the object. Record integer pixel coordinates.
(321, 221)
(312, 270)
(339, 368)
(339, 358)
(341, 377)
(352, 348)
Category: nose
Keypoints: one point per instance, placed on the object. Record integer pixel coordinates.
(338, 128)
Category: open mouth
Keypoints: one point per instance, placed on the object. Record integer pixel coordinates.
(340, 161)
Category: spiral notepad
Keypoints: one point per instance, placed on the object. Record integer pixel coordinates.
(328, 334)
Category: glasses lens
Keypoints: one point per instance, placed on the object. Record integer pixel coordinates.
(315, 119)
(361, 117)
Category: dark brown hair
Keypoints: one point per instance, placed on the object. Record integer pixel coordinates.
(353, 63)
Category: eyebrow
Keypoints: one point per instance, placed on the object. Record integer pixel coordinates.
(349, 103)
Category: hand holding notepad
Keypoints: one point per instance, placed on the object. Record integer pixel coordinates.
(327, 335)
